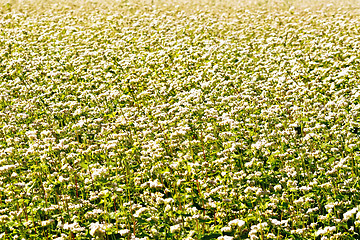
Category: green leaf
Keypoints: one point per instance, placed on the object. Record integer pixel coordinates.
(84, 165)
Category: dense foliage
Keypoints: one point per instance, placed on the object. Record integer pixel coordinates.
(162, 123)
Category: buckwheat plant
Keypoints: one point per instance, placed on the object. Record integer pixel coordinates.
(179, 119)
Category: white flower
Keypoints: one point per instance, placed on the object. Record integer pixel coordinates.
(277, 188)
(96, 173)
(271, 236)
(225, 238)
(97, 229)
(74, 227)
(349, 214)
(124, 232)
(61, 238)
(175, 228)
(140, 211)
(226, 229)
(154, 231)
(6, 168)
(4, 218)
(358, 215)
(47, 222)
(237, 222)
(329, 207)
(167, 208)
(155, 184)
(326, 230)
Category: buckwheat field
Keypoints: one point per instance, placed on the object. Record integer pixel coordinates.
(179, 120)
